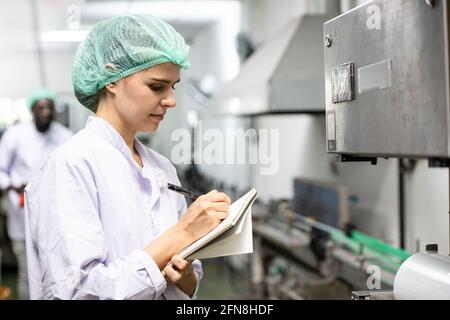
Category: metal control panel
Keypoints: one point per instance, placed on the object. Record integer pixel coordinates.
(387, 80)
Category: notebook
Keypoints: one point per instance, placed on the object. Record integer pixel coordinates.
(232, 236)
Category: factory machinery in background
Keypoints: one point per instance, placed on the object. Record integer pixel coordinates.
(387, 95)
(306, 247)
(387, 91)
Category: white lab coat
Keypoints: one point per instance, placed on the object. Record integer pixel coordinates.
(23, 152)
(89, 215)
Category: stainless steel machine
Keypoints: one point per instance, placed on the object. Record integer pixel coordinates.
(387, 95)
(387, 80)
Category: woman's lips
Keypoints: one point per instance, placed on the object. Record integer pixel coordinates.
(159, 117)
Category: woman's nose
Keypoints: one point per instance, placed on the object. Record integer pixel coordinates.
(169, 101)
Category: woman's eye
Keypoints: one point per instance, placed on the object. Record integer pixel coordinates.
(156, 88)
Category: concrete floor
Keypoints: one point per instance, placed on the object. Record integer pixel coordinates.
(8, 279)
(220, 282)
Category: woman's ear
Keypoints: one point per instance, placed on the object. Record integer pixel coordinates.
(111, 87)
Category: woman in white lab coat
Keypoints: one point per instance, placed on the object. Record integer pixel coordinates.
(100, 221)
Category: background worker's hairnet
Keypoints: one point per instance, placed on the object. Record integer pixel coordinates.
(41, 94)
(121, 46)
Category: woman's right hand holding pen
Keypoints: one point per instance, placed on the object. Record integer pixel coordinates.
(204, 214)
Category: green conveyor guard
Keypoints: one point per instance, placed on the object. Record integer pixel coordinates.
(390, 257)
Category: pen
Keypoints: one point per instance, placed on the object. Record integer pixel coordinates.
(183, 191)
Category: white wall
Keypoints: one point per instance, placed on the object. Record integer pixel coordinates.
(212, 54)
(427, 203)
(20, 72)
(301, 154)
(24, 69)
(376, 211)
(263, 18)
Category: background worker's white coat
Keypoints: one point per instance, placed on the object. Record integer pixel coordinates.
(91, 212)
(23, 152)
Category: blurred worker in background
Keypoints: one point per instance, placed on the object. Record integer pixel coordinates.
(24, 149)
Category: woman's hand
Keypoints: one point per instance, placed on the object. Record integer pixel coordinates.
(181, 273)
(204, 214)
(201, 217)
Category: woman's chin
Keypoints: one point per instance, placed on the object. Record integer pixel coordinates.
(149, 127)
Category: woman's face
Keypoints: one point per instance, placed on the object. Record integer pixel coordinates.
(142, 99)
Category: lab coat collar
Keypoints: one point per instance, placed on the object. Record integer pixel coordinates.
(109, 133)
(151, 169)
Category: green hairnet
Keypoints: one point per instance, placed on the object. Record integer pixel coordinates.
(118, 47)
(40, 94)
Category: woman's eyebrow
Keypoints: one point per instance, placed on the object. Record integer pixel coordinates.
(164, 80)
